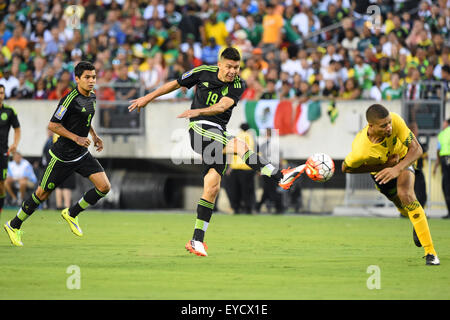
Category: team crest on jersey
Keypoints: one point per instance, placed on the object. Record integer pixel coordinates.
(4, 116)
(60, 112)
(186, 74)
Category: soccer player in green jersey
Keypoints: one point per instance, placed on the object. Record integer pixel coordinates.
(218, 91)
(72, 121)
(8, 119)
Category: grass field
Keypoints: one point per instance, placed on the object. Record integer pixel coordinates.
(136, 255)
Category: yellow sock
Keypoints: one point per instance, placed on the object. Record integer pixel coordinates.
(419, 220)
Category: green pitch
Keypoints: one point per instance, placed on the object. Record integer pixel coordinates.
(134, 255)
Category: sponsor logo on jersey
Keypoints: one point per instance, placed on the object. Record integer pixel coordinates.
(60, 112)
(186, 74)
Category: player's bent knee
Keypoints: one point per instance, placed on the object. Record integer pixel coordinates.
(406, 197)
(104, 188)
(212, 191)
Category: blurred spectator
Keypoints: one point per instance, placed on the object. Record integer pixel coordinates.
(242, 178)
(393, 91)
(254, 31)
(446, 80)
(431, 86)
(190, 43)
(331, 90)
(236, 21)
(61, 90)
(210, 52)
(24, 90)
(40, 92)
(260, 63)
(351, 90)
(5, 34)
(286, 91)
(191, 24)
(364, 74)
(125, 89)
(216, 29)
(350, 42)
(414, 89)
(173, 17)
(270, 92)
(253, 90)
(17, 40)
(243, 44)
(106, 94)
(20, 178)
(272, 29)
(9, 82)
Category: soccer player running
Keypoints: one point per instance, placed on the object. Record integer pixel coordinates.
(8, 119)
(218, 91)
(72, 121)
(387, 148)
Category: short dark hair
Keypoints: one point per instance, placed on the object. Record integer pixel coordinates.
(2, 86)
(376, 112)
(231, 53)
(82, 66)
(446, 68)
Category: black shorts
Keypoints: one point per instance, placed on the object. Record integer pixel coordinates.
(209, 141)
(4, 159)
(69, 183)
(389, 189)
(58, 171)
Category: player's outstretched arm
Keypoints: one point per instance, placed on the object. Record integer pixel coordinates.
(143, 101)
(366, 168)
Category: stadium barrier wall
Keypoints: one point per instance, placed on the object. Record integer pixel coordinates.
(166, 136)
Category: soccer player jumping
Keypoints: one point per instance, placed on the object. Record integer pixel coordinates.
(72, 121)
(218, 91)
(387, 148)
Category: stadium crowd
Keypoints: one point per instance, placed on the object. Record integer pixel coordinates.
(286, 51)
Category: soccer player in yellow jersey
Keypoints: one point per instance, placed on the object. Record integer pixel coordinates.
(386, 148)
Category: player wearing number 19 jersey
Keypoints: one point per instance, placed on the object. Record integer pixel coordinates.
(72, 121)
(218, 90)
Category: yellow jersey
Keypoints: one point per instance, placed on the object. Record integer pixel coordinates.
(237, 163)
(365, 152)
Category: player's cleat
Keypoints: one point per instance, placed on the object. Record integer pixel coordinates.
(197, 247)
(15, 235)
(416, 238)
(432, 260)
(73, 222)
(290, 175)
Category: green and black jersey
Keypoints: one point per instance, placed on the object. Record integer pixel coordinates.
(8, 119)
(210, 90)
(75, 112)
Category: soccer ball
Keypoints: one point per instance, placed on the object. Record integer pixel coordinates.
(320, 167)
